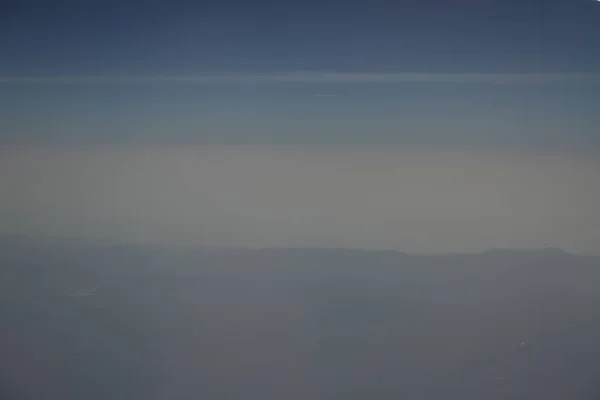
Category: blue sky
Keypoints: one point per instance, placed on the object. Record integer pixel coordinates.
(74, 39)
(329, 113)
(188, 37)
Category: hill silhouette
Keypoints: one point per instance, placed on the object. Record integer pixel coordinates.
(105, 321)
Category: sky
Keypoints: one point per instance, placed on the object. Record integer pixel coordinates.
(250, 81)
(408, 72)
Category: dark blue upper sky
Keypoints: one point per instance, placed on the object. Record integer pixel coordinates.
(75, 38)
(195, 36)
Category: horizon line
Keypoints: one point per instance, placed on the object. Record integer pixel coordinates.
(102, 240)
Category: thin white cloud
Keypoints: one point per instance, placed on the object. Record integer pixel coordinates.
(324, 77)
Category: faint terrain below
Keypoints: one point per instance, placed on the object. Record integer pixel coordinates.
(84, 321)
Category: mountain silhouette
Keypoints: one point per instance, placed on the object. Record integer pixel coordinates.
(100, 320)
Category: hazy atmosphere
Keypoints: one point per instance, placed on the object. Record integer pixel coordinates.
(408, 199)
(299, 199)
(412, 125)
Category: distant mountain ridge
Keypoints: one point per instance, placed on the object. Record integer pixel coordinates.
(546, 251)
(99, 320)
(22, 239)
